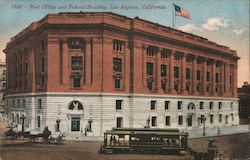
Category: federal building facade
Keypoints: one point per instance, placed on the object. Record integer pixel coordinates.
(89, 72)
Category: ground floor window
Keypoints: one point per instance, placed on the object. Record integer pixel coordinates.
(17, 119)
(119, 122)
(189, 120)
(75, 124)
(167, 120)
(38, 121)
(13, 117)
(180, 120)
(220, 117)
(211, 118)
(153, 121)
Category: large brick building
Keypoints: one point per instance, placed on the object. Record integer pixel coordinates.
(95, 71)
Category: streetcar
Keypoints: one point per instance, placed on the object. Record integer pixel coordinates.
(169, 141)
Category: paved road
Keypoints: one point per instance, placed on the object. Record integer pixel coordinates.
(235, 146)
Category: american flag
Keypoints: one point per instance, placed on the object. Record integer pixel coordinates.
(182, 12)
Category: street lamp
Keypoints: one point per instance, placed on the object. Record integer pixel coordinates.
(90, 124)
(22, 118)
(148, 121)
(203, 120)
(58, 124)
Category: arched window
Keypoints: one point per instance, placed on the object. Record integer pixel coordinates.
(191, 106)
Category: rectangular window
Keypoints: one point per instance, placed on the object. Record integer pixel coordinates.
(117, 83)
(38, 121)
(211, 118)
(179, 104)
(217, 77)
(167, 121)
(17, 119)
(208, 76)
(164, 54)
(150, 85)
(153, 121)
(202, 119)
(187, 73)
(119, 122)
(207, 89)
(163, 70)
(201, 105)
(167, 105)
(76, 82)
(232, 116)
(220, 118)
(76, 63)
(187, 87)
(151, 51)
(230, 80)
(198, 75)
(153, 105)
(118, 104)
(163, 86)
(117, 64)
(211, 104)
(118, 45)
(176, 72)
(180, 120)
(198, 88)
(220, 105)
(150, 67)
(18, 103)
(176, 87)
(39, 103)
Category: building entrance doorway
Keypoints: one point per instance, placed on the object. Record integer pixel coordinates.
(189, 120)
(75, 124)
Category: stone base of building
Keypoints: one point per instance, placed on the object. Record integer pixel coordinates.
(76, 113)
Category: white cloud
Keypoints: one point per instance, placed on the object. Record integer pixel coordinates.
(238, 31)
(189, 28)
(215, 23)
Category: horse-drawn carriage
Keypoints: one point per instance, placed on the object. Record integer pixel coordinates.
(11, 136)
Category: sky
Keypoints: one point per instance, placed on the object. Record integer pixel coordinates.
(225, 22)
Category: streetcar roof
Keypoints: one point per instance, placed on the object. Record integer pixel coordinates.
(158, 133)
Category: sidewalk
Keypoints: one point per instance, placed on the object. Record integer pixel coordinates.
(225, 130)
(194, 133)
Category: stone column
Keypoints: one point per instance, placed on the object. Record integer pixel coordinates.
(171, 72)
(31, 68)
(183, 73)
(213, 77)
(235, 79)
(88, 63)
(227, 79)
(65, 65)
(158, 70)
(194, 75)
(222, 75)
(204, 76)
(144, 66)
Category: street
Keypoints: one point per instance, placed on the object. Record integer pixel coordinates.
(235, 146)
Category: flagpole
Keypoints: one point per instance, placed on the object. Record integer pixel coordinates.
(173, 16)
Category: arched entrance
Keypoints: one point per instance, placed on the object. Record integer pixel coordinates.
(75, 116)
